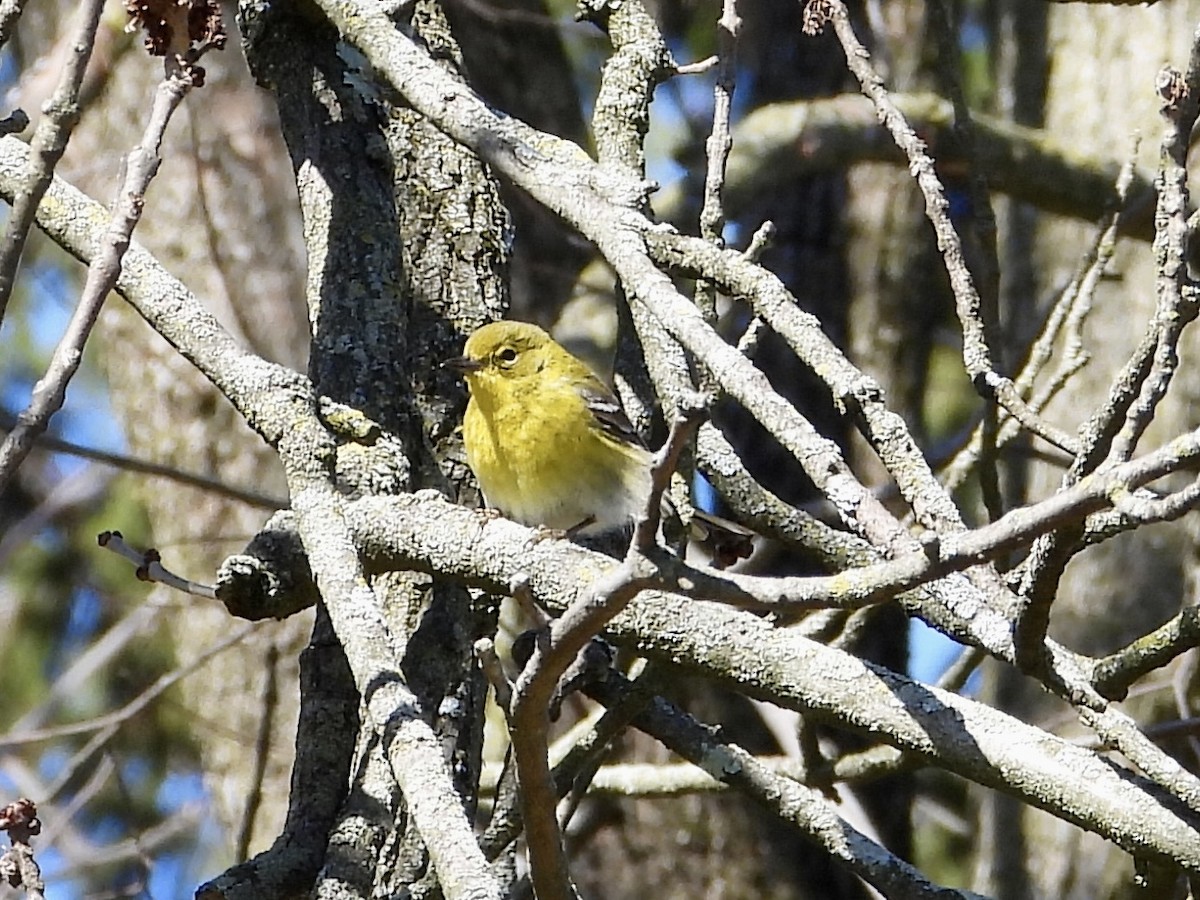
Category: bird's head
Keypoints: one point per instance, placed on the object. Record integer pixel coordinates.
(505, 352)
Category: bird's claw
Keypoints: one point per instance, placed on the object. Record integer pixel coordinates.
(487, 514)
(542, 533)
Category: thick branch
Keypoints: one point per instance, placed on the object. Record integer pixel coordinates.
(408, 742)
(778, 664)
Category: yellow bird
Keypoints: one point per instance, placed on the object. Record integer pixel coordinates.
(551, 446)
(547, 441)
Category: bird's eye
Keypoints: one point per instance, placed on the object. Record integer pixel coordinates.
(507, 355)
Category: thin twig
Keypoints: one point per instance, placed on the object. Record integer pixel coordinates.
(1112, 430)
(875, 762)
(980, 244)
(977, 356)
(60, 115)
(150, 567)
(144, 467)
(762, 238)
(697, 68)
(963, 667)
(716, 148)
(103, 272)
(1116, 672)
(102, 771)
(268, 709)
(575, 770)
(1179, 306)
(505, 824)
(1066, 317)
(84, 665)
(108, 722)
(663, 466)
(485, 652)
(1120, 732)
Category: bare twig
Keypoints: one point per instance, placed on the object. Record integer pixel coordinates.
(268, 709)
(1121, 733)
(963, 667)
(150, 567)
(1067, 315)
(977, 356)
(651, 781)
(759, 241)
(485, 652)
(1117, 671)
(874, 762)
(716, 148)
(574, 771)
(109, 722)
(1142, 507)
(84, 666)
(663, 466)
(103, 272)
(1112, 431)
(1177, 300)
(99, 776)
(697, 68)
(166, 833)
(979, 233)
(60, 115)
(145, 467)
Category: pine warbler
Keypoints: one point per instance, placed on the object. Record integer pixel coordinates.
(547, 441)
(551, 446)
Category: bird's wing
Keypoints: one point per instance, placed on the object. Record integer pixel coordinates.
(726, 541)
(608, 413)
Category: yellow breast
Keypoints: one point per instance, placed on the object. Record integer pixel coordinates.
(543, 462)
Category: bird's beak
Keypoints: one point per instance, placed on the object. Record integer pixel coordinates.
(463, 365)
